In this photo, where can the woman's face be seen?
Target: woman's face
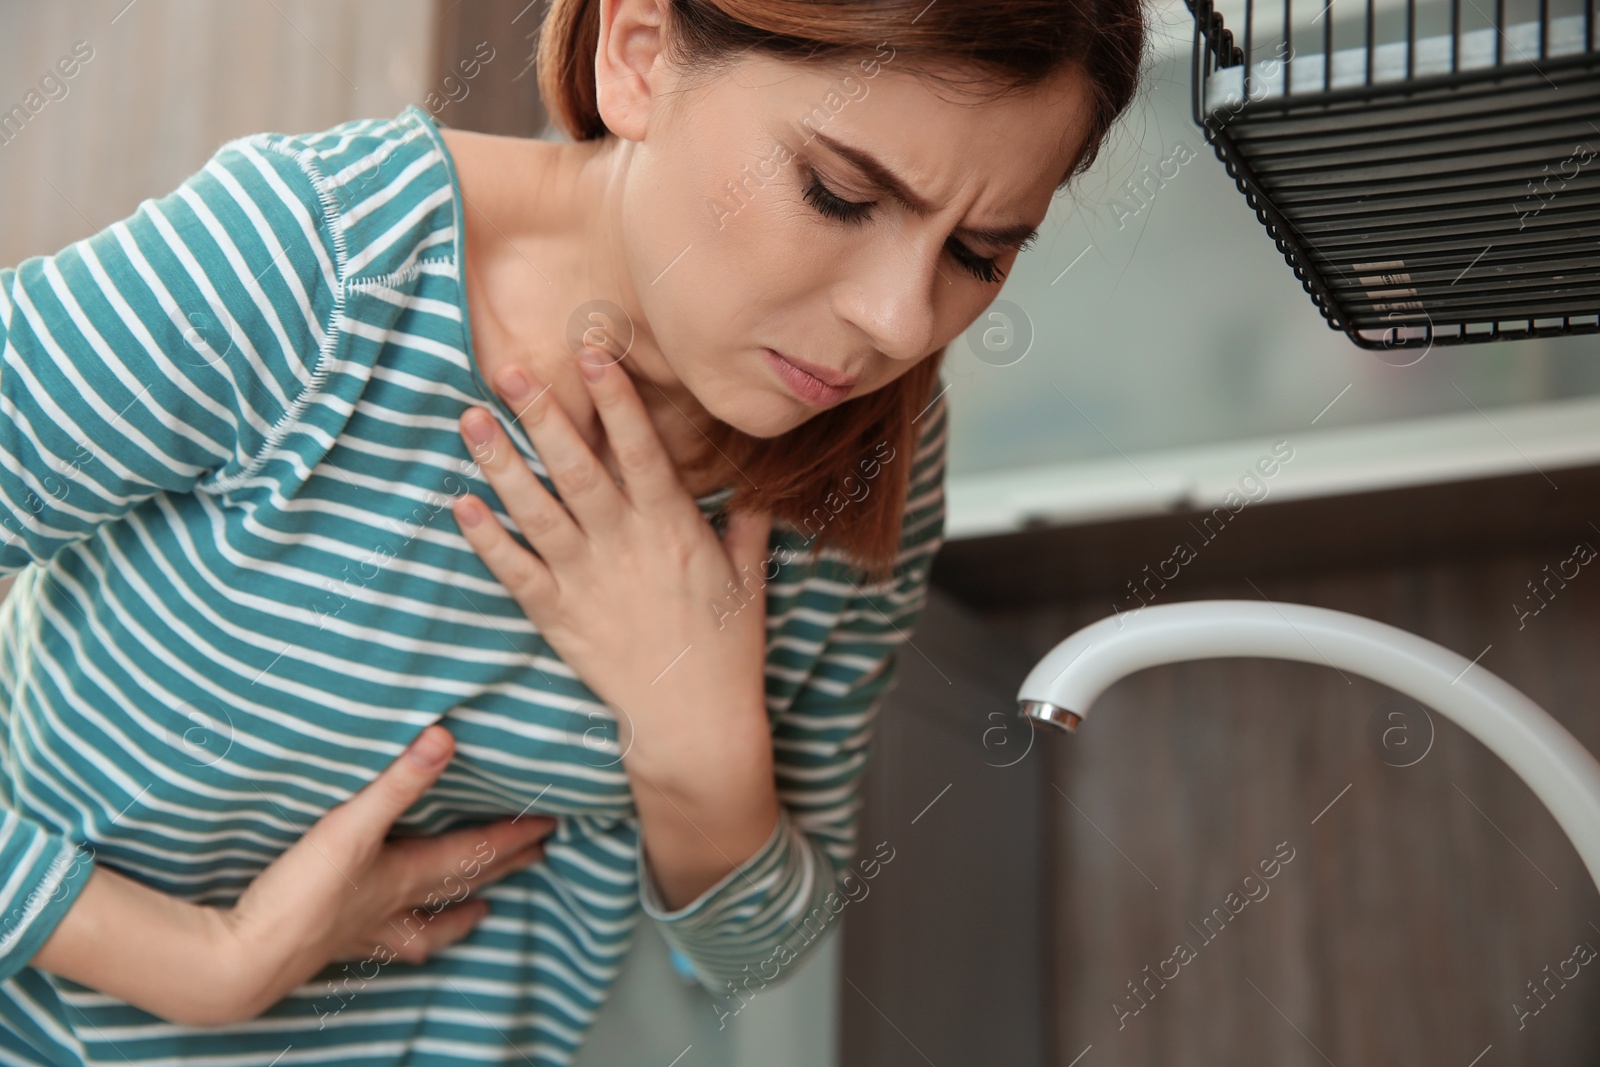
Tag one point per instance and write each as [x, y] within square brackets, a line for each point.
[756, 228]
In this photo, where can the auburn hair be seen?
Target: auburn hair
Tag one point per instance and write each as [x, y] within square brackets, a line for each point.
[988, 47]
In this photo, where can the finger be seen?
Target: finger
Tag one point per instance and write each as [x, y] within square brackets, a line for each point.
[414, 934]
[509, 864]
[528, 857]
[359, 825]
[539, 515]
[647, 471]
[578, 475]
[454, 894]
[473, 856]
[526, 577]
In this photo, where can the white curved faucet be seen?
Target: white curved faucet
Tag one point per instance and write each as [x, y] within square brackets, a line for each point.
[1560, 771]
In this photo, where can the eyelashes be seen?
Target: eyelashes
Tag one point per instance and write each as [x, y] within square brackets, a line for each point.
[832, 205]
[980, 267]
[829, 203]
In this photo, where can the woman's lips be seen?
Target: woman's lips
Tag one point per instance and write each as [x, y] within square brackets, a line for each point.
[805, 385]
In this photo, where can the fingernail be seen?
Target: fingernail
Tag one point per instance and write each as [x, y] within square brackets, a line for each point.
[467, 513]
[429, 748]
[479, 426]
[514, 384]
[591, 371]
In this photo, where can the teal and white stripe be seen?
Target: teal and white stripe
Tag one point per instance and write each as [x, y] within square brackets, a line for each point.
[228, 438]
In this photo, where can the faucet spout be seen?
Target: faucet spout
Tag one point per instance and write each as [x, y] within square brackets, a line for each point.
[1563, 774]
[1043, 711]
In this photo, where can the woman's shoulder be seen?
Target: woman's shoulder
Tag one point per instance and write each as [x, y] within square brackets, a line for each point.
[382, 189]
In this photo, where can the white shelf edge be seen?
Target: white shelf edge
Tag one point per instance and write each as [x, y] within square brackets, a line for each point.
[1527, 438]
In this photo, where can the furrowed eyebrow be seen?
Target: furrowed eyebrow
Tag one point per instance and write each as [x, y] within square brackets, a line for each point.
[1013, 236]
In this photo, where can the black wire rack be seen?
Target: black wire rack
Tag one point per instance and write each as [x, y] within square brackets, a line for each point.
[1430, 170]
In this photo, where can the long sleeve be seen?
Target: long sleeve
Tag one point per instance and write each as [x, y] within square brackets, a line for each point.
[162, 354]
[750, 928]
[44, 873]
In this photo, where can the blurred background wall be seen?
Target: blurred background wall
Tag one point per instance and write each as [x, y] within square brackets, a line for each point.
[170, 81]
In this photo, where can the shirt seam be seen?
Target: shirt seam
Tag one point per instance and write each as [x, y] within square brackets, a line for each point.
[405, 274]
[335, 329]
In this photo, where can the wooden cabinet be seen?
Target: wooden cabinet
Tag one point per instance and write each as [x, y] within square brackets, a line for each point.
[1427, 887]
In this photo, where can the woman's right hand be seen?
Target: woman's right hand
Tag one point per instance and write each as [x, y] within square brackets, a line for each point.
[343, 891]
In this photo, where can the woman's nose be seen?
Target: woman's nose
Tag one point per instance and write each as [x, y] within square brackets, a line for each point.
[892, 297]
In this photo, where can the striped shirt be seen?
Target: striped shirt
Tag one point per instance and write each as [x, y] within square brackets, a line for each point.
[228, 442]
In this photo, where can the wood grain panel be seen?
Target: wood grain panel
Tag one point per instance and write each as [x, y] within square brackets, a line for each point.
[946, 959]
[1415, 909]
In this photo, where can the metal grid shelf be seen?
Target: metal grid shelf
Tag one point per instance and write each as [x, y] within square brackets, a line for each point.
[1437, 188]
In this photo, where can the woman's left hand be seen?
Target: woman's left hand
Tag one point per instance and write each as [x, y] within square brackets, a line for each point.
[631, 588]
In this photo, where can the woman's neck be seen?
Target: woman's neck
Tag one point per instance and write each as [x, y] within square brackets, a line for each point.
[544, 247]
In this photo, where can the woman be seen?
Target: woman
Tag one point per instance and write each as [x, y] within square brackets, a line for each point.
[233, 422]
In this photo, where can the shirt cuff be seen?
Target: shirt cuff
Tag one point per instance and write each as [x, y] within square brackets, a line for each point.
[44, 873]
[705, 909]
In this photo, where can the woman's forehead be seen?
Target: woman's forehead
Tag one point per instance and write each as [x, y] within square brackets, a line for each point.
[935, 138]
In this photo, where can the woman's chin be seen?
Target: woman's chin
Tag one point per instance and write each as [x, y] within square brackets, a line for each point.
[765, 428]
[763, 416]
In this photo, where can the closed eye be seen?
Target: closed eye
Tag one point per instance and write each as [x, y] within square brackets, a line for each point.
[980, 267]
[834, 206]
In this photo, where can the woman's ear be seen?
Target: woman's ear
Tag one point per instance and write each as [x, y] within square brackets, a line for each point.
[628, 66]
